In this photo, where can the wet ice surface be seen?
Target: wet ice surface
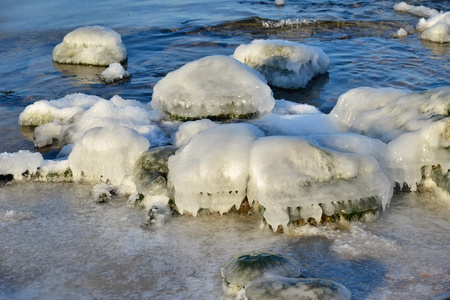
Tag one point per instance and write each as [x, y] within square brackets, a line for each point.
[58, 243]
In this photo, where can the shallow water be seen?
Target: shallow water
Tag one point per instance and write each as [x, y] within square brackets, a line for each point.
[56, 242]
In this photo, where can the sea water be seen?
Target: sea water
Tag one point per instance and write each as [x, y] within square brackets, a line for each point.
[56, 242]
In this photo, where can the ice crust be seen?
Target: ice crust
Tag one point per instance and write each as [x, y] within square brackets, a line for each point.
[91, 45]
[284, 64]
[106, 154]
[114, 72]
[213, 86]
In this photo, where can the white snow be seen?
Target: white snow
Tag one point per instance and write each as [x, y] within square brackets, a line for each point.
[211, 171]
[213, 86]
[106, 154]
[19, 162]
[91, 45]
[114, 72]
[283, 63]
[289, 172]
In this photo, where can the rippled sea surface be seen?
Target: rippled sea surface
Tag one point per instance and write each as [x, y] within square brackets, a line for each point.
[56, 243]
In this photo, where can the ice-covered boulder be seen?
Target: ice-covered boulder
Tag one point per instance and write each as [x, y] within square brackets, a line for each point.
[91, 45]
[436, 28]
[211, 171]
[281, 288]
[61, 110]
[243, 268]
[106, 154]
[284, 64]
[415, 126]
[215, 87]
[293, 179]
[19, 162]
[68, 118]
[114, 72]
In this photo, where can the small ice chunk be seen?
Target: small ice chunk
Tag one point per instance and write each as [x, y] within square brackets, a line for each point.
[91, 45]
[289, 172]
[421, 11]
[402, 32]
[211, 171]
[214, 86]
[19, 162]
[114, 72]
[101, 192]
[279, 2]
[284, 64]
[106, 154]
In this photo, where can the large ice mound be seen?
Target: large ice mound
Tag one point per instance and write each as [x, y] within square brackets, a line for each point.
[107, 154]
[214, 86]
[415, 126]
[295, 180]
[91, 45]
[211, 171]
[284, 64]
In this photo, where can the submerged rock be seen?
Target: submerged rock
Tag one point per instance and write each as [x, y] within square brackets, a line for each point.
[218, 87]
[91, 45]
[296, 289]
[244, 268]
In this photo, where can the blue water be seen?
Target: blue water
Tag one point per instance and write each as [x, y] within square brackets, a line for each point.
[161, 36]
